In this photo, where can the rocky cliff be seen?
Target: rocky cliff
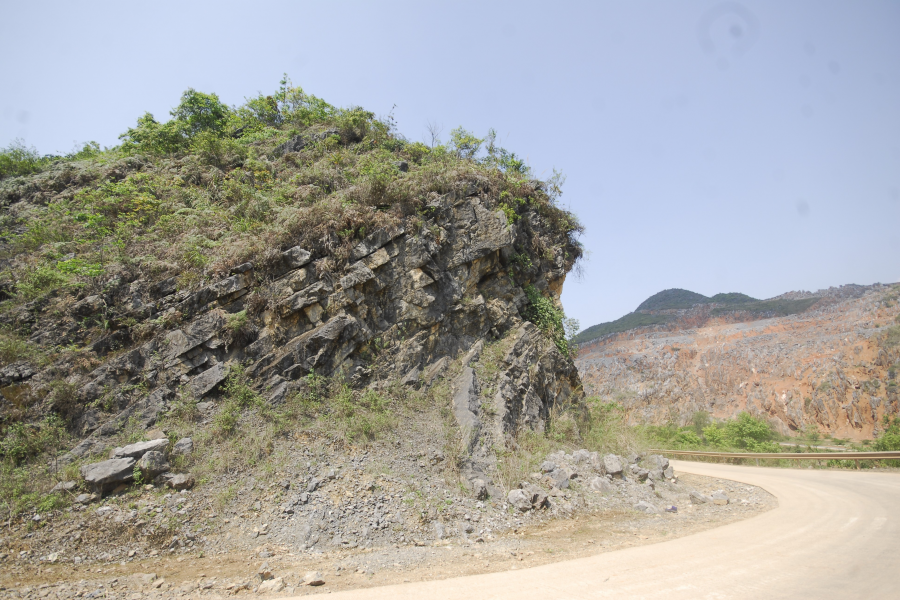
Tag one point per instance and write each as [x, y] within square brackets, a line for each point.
[831, 368]
[395, 267]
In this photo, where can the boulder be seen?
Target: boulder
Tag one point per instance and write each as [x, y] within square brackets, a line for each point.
[108, 474]
[519, 500]
[181, 482]
[140, 449]
[612, 464]
[313, 578]
[639, 473]
[295, 258]
[718, 497]
[548, 466]
[601, 484]
[265, 572]
[581, 456]
[646, 507]
[560, 478]
[272, 586]
[655, 474]
[479, 489]
[206, 381]
[536, 495]
[152, 464]
[669, 473]
[698, 498]
[182, 447]
[655, 461]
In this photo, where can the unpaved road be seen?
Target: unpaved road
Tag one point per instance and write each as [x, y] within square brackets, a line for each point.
[835, 534]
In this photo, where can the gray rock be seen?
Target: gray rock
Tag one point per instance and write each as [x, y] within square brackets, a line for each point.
[646, 507]
[479, 489]
[64, 486]
[639, 473]
[548, 466]
[141, 448]
[669, 473]
[371, 243]
[295, 258]
[655, 461]
[272, 586]
[89, 307]
[181, 482]
[465, 404]
[84, 448]
[560, 478]
[242, 268]
[698, 498]
[601, 484]
[439, 531]
[295, 144]
[357, 274]
[519, 500]
[164, 288]
[109, 473]
[206, 381]
[655, 475]
[264, 572]
[152, 464]
[183, 447]
[612, 464]
[312, 485]
[581, 456]
[86, 498]
[537, 497]
[718, 497]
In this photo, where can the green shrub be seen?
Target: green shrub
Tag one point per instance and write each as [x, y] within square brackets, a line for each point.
[18, 159]
[889, 438]
[542, 311]
[39, 280]
[21, 441]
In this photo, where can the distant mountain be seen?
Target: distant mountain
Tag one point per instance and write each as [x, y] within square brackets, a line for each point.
[676, 302]
[676, 298]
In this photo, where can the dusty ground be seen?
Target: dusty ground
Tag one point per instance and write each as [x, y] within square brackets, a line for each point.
[590, 531]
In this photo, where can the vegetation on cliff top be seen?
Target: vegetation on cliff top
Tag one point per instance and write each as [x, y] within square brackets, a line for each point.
[216, 186]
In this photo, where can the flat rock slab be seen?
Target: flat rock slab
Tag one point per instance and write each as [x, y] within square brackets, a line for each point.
[203, 383]
[104, 474]
[141, 448]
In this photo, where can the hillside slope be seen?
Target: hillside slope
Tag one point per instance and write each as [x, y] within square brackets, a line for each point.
[832, 368]
[252, 276]
[676, 308]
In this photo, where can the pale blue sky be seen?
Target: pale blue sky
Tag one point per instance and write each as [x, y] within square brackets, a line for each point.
[718, 147]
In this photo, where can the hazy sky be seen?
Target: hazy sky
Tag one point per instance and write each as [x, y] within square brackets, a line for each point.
[713, 146]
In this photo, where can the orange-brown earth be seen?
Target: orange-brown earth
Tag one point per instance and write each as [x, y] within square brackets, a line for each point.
[829, 368]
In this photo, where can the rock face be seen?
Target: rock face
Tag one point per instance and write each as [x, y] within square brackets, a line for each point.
[827, 369]
[443, 288]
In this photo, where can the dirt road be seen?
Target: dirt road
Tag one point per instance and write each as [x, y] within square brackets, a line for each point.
[835, 534]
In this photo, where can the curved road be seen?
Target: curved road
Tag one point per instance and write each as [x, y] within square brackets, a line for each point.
[835, 534]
